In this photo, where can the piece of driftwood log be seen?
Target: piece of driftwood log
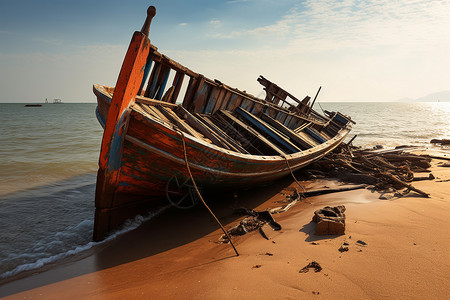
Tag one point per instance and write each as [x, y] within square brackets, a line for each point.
[437, 157]
[330, 220]
[440, 141]
[403, 184]
[421, 178]
[336, 190]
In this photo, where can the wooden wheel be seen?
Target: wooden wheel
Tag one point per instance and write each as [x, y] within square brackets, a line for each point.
[181, 192]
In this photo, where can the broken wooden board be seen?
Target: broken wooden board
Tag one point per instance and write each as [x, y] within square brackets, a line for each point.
[269, 130]
[251, 131]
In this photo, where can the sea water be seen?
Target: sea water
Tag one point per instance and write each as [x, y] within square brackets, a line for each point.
[49, 154]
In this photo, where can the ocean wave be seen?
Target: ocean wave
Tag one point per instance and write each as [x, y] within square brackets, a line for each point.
[71, 241]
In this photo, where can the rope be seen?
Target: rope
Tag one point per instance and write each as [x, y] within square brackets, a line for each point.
[200, 196]
[287, 163]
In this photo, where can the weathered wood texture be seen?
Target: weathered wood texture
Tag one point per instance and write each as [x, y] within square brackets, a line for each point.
[233, 139]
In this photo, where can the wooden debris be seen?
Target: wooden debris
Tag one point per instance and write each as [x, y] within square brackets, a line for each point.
[336, 190]
[312, 265]
[330, 220]
[442, 142]
[255, 221]
[382, 169]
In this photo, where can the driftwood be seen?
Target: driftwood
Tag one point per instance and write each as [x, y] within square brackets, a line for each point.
[421, 178]
[442, 142]
[336, 190]
[402, 184]
[382, 169]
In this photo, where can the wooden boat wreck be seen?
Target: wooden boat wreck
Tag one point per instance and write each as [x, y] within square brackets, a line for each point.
[231, 139]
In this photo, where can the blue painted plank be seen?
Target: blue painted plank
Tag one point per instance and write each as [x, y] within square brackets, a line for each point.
[315, 135]
[148, 66]
[163, 85]
[267, 129]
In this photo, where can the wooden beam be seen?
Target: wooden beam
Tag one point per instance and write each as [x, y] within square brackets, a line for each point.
[313, 133]
[301, 127]
[252, 132]
[154, 111]
[291, 134]
[237, 136]
[177, 82]
[151, 86]
[202, 128]
[152, 102]
[179, 122]
[283, 141]
[229, 140]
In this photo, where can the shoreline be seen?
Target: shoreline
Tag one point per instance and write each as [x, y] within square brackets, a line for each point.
[177, 253]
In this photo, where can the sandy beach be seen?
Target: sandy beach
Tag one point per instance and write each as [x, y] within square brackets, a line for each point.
[177, 255]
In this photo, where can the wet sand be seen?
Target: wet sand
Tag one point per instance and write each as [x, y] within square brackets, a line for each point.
[176, 255]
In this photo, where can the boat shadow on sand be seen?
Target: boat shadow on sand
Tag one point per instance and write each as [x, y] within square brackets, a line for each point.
[174, 227]
[168, 230]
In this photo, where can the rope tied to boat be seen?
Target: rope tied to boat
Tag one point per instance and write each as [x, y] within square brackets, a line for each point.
[200, 196]
[293, 176]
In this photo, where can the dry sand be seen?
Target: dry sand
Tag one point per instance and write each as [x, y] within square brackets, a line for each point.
[176, 255]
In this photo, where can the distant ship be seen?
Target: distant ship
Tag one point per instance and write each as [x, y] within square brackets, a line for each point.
[33, 105]
[57, 101]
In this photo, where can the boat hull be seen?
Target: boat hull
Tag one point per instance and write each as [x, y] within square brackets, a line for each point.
[227, 137]
[152, 159]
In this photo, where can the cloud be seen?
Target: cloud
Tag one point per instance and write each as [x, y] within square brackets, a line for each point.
[183, 24]
[215, 22]
[355, 24]
[369, 24]
[359, 50]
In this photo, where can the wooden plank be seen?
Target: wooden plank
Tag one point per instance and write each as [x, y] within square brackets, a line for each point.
[156, 112]
[213, 95]
[225, 101]
[162, 81]
[302, 126]
[252, 132]
[148, 66]
[320, 133]
[202, 128]
[177, 82]
[269, 130]
[234, 102]
[237, 136]
[308, 138]
[179, 122]
[192, 85]
[220, 99]
[287, 120]
[147, 110]
[152, 102]
[140, 109]
[291, 134]
[199, 99]
[314, 134]
[168, 94]
[151, 86]
[229, 140]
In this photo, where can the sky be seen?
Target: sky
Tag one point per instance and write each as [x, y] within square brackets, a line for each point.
[368, 50]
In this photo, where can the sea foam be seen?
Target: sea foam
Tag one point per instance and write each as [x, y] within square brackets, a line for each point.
[71, 241]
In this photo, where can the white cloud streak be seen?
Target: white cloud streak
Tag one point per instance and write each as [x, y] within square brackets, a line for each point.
[390, 49]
